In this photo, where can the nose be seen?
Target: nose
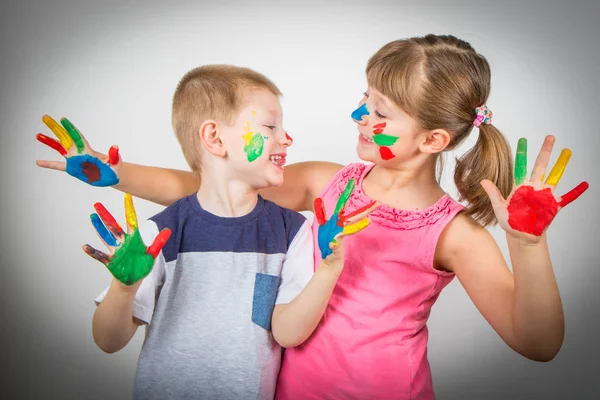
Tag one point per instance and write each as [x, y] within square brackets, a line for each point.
[359, 115]
[288, 140]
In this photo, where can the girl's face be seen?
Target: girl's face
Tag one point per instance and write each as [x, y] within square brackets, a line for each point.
[387, 135]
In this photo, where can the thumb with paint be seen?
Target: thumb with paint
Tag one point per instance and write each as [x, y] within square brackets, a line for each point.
[81, 161]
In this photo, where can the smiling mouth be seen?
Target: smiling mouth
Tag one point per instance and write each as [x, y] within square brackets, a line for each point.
[366, 138]
[278, 160]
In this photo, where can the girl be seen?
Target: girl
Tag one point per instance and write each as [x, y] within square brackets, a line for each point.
[424, 97]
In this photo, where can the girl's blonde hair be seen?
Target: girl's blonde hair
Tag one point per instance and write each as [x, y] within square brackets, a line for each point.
[439, 81]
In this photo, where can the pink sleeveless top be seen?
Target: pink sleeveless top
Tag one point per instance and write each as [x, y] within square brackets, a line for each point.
[372, 340]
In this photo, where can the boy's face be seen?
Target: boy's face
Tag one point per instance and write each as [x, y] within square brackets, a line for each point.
[256, 141]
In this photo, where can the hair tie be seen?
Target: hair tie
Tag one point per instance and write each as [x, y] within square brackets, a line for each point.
[484, 116]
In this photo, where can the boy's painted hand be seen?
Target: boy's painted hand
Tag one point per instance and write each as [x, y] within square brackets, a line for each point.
[531, 206]
[340, 224]
[82, 161]
[130, 260]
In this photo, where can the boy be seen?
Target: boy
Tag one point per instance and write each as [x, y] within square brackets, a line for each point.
[234, 282]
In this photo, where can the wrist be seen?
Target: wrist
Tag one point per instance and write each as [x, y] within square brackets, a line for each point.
[333, 269]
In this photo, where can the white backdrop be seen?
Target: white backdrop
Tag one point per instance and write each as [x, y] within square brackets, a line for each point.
[112, 66]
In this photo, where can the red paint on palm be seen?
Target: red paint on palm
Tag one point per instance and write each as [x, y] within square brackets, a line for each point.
[113, 155]
[91, 172]
[51, 143]
[386, 153]
[530, 210]
[320, 211]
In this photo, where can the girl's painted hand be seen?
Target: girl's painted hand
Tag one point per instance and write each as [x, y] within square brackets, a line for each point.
[82, 161]
[531, 206]
[340, 224]
[130, 260]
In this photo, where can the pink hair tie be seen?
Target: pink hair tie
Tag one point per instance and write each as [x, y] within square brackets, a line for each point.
[484, 116]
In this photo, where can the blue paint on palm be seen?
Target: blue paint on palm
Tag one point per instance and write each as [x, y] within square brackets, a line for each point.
[326, 233]
[360, 112]
[91, 170]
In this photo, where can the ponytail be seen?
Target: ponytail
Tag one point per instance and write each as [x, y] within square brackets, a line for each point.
[490, 158]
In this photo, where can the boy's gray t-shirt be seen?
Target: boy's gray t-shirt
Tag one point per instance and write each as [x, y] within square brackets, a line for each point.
[209, 298]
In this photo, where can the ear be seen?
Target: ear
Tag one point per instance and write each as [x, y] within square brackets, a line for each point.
[211, 139]
[435, 141]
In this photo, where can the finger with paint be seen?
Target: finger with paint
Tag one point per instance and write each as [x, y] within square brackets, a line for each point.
[340, 223]
[80, 163]
[131, 260]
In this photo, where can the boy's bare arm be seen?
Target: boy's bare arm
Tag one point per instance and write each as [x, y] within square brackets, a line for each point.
[113, 324]
[158, 185]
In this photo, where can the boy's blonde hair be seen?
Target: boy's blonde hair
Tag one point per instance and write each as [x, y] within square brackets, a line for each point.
[211, 92]
[439, 81]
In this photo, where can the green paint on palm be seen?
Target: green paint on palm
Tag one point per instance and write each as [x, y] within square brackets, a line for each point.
[74, 135]
[130, 263]
[254, 149]
[344, 196]
[521, 161]
[382, 139]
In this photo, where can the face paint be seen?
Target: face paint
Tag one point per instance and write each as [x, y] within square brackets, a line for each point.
[378, 128]
[521, 161]
[530, 210]
[288, 137]
[383, 140]
[254, 143]
[386, 153]
[329, 229]
[360, 112]
[559, 168]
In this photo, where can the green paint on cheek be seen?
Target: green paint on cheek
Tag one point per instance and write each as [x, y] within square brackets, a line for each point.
[384, 140]
[254, 149]
[130, 263]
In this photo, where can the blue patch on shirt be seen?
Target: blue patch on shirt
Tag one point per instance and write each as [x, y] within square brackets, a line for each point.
[265, 293]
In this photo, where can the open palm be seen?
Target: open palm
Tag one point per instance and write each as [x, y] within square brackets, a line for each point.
[532, 205]
[81, 161]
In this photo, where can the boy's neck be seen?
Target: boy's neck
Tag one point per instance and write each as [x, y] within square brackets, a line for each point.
[226, 197]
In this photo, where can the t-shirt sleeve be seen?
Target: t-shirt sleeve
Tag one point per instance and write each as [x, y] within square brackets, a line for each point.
[298, 265]
[145, 298]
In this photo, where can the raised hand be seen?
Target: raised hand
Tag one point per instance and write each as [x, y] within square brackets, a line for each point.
[82, 162]
[531, 207]
[129, 260]
[340, 224]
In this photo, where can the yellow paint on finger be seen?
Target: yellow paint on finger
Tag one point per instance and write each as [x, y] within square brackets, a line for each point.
[130, 212]
[559, 168]
[59, 131]
[356, 227]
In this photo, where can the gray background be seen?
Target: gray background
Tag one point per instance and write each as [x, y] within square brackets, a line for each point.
[111, 67]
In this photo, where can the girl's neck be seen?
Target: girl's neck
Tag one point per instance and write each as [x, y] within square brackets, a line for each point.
[404, 187]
